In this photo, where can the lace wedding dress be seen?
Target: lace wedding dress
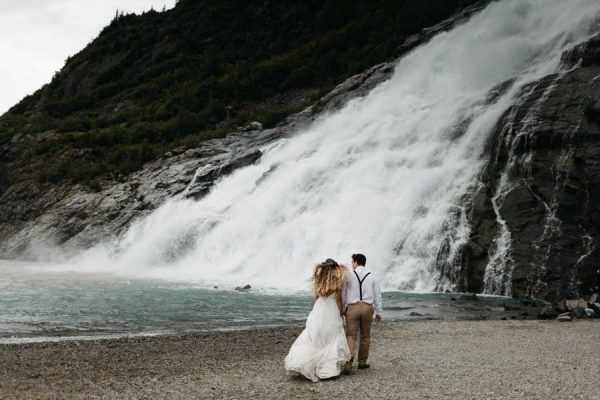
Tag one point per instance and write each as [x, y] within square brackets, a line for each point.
[321, 350]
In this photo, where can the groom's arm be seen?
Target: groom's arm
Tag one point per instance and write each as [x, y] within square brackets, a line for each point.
[377, 301]
[343, 298]
[340, 303]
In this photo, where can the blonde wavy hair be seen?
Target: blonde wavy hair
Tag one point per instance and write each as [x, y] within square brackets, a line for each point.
[328, 277]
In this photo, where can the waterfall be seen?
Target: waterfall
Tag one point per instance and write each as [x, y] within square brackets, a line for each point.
[383, 176]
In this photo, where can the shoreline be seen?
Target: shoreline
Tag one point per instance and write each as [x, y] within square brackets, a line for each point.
[93, 337]
[421, 359]
[98, 336]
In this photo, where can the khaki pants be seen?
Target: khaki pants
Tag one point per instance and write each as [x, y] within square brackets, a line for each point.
[359, 316]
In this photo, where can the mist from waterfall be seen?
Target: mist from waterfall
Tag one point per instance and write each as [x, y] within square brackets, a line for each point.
[382, 176]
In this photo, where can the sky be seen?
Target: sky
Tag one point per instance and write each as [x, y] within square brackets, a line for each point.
[37, 36]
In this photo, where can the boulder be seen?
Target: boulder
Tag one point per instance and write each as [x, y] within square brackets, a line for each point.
[577, 306]
[253, 126]
[547, 312]
[590, 313]
[593, 298]
[562, 306]
[593, 311]
[178, 150]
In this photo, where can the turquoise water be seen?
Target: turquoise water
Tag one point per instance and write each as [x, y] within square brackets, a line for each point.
[38, 306]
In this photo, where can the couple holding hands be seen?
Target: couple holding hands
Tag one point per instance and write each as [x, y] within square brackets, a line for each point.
[323, 350]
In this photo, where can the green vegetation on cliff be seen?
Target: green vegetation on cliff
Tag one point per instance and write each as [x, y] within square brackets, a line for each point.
[156, 81]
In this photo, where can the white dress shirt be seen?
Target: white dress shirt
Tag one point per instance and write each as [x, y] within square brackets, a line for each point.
[371, 292]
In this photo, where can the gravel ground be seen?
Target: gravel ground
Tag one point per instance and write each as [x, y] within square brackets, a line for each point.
[411, 360]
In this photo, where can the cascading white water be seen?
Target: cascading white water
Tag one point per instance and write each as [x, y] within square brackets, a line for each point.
[381, 176]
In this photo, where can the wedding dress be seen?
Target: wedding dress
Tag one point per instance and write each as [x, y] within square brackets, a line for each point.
[321, 350]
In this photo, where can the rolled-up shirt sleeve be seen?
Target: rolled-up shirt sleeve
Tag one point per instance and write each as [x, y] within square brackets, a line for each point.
[377, 298]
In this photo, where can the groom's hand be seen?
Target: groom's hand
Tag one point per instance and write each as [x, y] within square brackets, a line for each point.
[378, 318]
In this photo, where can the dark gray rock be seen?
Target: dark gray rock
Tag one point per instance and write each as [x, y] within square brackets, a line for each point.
[253, 126]
[243, 288]
[547, 311]
[551, 202]
[562, 306]
[577, 306]
[179, 150]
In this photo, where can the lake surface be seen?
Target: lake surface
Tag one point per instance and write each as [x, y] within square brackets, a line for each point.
[37, 305]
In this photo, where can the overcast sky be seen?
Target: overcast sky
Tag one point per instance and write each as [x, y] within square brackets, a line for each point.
[36, 37]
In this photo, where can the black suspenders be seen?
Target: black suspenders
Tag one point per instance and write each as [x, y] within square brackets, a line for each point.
[361, 282]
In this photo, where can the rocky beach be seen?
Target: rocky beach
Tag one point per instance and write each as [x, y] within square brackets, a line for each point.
[410, 360]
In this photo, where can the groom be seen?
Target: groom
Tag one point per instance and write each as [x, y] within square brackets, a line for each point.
[362, 296]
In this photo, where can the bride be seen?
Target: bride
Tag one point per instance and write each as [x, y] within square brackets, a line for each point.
[321, 350]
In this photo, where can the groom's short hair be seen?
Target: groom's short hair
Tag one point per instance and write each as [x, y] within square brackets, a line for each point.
[360, 259]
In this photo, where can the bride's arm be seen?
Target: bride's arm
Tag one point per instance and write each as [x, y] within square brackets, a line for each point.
[338, 300]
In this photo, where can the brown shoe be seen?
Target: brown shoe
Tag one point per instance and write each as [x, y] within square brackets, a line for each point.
[363, 366]
[347, 368]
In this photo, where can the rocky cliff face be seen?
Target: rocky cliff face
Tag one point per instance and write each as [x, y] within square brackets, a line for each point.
[37, 220]
[534, 215]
